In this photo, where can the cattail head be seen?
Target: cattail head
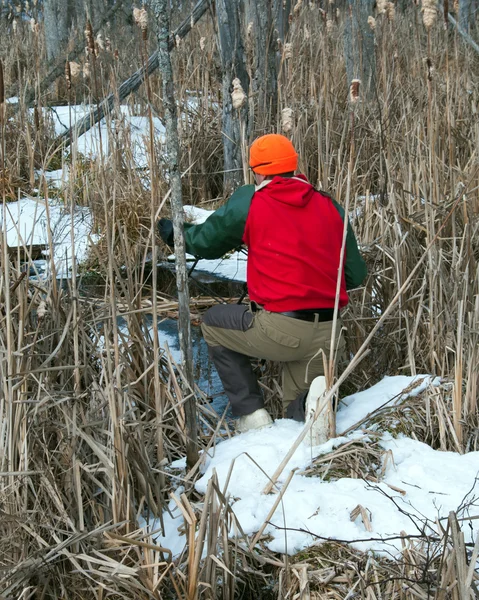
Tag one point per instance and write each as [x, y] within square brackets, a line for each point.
[288, 50]
[456, 6]
[90, 40]
[381, 6]
[307, 33]
[2, 85]
[329, 25]
[372, 22]
[86, 70]
[99, 43]
[75, 70]
[42, 309]
[202, 43]
[68, 75]
[33, 25]
[390, 11]
[237, 95]
[140, 17]
[297, 7]
[287, 119]
[14, 26]
[249, 29]
[429, 10]
[177, 40]
[354, 91]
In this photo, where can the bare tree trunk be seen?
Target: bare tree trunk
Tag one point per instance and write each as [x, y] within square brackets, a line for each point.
[55, 18]
[172, 160]
[282, 10]
[359, 44]
[233, 60]
[265, 76]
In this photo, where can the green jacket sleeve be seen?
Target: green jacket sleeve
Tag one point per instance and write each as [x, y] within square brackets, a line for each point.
[355, 269]
[223, 230]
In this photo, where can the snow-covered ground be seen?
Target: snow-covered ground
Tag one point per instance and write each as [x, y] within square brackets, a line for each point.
[129, 131]
[27, 222]
[431, 483]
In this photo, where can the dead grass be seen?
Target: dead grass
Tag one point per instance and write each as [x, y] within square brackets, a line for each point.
[91, 416]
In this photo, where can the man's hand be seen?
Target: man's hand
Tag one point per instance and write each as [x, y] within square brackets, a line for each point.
[165, 229]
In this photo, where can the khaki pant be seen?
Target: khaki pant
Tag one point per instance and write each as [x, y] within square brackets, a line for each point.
[234, 334]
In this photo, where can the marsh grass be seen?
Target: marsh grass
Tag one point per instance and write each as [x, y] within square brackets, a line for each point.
[92, 414]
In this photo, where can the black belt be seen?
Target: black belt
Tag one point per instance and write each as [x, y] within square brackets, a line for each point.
[324, 314]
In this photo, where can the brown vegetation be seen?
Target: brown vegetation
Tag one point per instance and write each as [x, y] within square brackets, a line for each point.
[90, 417]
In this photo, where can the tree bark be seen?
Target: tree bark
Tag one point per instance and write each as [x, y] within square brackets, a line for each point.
[172, 161]
[233, 61]
[55, 19]
[265, 76]
[359, 44]
[282, 10]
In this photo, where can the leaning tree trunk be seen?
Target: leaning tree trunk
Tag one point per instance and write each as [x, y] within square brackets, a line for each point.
[235, 120]
[259, 19]
[55, 19]
[359, 44]
[173, 162]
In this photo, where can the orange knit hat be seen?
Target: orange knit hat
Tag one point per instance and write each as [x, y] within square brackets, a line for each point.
[272, 154]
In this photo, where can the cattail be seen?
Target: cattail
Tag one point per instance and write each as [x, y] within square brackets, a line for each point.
[14, 26]
[297, 7]
[42, 309]
[68, 75]
[372, 22]
[429, 9]
[446, 13]
[36, 117]
[202, 43]
[141, 18]
[288, 50]
[99, 42]
[381, 6]
[177, 40]
[116, 54]
[108, 44]
[354, 91]
[307, 33]
[329, 25]
[2, 85]
[456, 6]
[249, 29]
[86, 70]
[287, 119]
[390, 11]
[33, 25]
[75, 70]
[237, 95]
[89, 38]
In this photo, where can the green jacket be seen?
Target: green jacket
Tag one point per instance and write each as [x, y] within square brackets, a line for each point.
[223, 231]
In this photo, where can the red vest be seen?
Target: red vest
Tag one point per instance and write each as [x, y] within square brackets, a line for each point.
[294, 236]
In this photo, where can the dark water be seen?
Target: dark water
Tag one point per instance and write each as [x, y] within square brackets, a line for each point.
[201, 284]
